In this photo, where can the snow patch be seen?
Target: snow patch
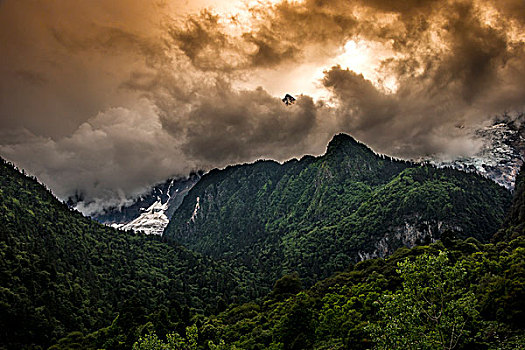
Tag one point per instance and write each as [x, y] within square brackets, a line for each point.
[195, 211]
[151, 222]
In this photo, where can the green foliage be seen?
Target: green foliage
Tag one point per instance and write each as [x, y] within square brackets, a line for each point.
[295, 329]
[319, 214]
[428, 297]
[514, 225]
[173, 341]
[61, 272]
[433, 309]
[68, 281]
[150, 342]
[287, 286]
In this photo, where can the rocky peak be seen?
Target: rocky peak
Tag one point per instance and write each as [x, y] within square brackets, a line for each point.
[288, 99]
[343, 142]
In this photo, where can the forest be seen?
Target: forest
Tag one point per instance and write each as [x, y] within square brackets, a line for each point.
[68, 282]
[63, 272]
[317, 215]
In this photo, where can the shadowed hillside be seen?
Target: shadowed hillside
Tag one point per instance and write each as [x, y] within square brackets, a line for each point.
[63, 272]
[318, 214]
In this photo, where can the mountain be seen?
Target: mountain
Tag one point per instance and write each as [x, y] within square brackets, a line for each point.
[70, 281]
[514, 225]
[151, 212]
[499, 159]
[502, 152]
[62, 272]
[453, 291]
[288, 99]
[318, 214]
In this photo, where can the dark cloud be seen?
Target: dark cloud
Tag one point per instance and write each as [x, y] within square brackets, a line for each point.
[277, 34]
[514, 9]
[363, 106]
[77, 53]
[31, 77]
[202, 39]
[110, 97]
[467, 77]
[476, 53]
[110, 158]
[239, 126]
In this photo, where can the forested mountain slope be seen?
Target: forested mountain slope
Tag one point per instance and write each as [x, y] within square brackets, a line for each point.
[514, 225]
[452, 294]
[62, 272]
[318, 214]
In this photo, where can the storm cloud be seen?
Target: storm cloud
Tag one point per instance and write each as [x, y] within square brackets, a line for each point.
[106, 98]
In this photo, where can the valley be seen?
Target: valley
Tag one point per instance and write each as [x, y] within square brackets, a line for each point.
[265, 247]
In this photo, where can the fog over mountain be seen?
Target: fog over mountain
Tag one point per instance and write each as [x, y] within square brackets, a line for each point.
[107, 98]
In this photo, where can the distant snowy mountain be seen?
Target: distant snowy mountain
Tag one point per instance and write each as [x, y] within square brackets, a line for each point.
[150, 213]
[502, 154]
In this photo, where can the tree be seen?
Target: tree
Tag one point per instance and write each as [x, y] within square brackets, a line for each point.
[433, 309]
[287, 286]
[174, 341]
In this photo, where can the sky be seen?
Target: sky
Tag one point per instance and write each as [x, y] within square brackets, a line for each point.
[105, 98]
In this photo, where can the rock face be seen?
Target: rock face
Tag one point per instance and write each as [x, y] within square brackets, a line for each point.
[151, 221]
[415, 231]
[150, 213]
[502, 153]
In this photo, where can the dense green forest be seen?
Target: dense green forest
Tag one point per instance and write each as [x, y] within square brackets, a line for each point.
[71, 283]
[452, 294]
[318, 214]
[514, 225]
[477, 289]
[62, 272]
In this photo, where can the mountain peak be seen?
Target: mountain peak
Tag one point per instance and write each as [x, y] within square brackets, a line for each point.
[288, 100]
[340, 141]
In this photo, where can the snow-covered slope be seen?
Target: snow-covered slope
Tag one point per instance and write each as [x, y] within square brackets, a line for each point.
[501, 155]
[152, 221]
[150, 213]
